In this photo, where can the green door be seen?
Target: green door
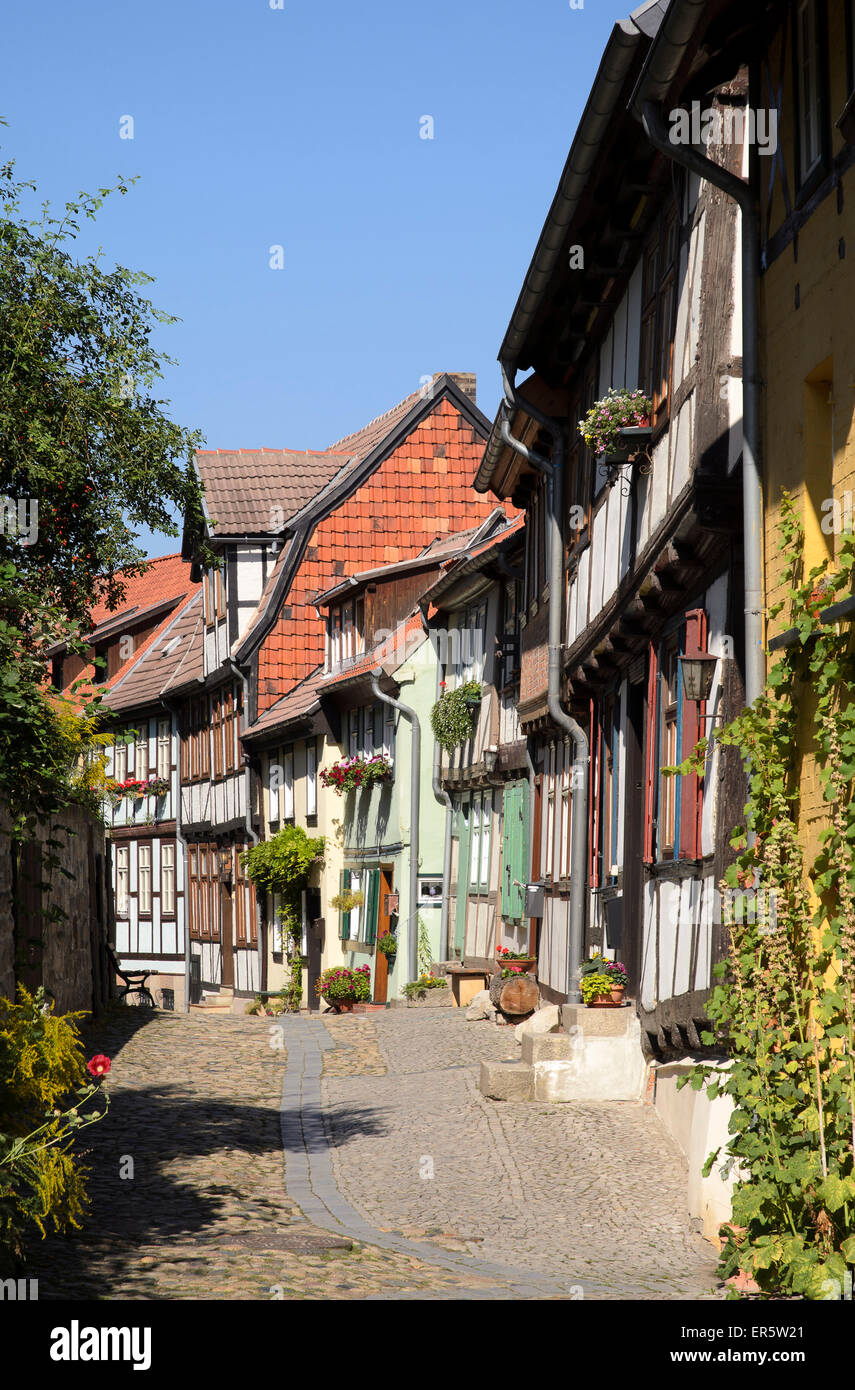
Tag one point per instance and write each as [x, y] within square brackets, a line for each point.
[515, 849]
[463, 823]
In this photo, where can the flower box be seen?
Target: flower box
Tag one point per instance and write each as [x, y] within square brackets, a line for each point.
[351, 774]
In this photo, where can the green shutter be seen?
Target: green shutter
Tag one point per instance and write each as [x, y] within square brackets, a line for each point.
[344, 917]
[509, 803]
[515, 849]
[372, 905]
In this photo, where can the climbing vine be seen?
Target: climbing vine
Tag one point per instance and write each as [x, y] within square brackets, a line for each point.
[281, 866]
[783, 1007]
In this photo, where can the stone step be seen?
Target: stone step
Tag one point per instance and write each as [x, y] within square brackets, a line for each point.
[509, 1080]
[597, 1023]
[548, 1047]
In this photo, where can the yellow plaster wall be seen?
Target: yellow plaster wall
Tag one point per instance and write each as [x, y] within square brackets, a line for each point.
[808, 371]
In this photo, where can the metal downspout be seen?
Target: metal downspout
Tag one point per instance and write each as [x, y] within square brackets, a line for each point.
[415, 789]
[184, 861]
[554, 469]
[752, 496]
[247, 772]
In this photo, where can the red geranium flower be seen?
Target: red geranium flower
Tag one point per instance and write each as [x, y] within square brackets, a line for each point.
[98, 1065]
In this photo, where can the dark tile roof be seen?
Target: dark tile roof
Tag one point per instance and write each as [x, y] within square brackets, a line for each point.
[299, 702]
[170, 658]
[258, 490]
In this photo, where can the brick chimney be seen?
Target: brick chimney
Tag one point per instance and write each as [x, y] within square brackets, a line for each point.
[465, 380]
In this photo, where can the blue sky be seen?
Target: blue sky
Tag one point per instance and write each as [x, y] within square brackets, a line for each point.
[299, 127]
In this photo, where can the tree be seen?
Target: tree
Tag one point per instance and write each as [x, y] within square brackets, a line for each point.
[81, 434]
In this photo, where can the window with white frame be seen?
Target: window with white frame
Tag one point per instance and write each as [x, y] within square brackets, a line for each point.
[549, 779]
[122, 881]
[486, 828]
[164, 749]
[141, 756]
[389, 732]
[356, 912]
[566, 812]
[288, 784]
[311, 779]
[167, 878]
[120, 762]
[353, 739]
[475, 849]
[144, 877]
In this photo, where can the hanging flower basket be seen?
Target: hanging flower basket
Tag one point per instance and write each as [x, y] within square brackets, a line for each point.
[350, 774]
[453, 717]
[618, 425]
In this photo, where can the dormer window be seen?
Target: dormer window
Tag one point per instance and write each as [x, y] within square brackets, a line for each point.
[345, 633]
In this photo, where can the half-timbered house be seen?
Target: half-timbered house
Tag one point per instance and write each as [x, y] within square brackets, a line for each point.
[633, 565]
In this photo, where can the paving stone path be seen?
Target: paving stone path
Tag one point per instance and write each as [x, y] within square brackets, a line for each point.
[354, 1158]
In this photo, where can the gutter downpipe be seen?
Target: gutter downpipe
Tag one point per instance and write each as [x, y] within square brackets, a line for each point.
[247, 772]
[184, 861]
[554, 470]
[752, 496]
[415, 791]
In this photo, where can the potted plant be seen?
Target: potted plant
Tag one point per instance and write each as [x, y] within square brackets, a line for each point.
[350, 774]
[453, 717]
[603, 981]
[387, 945]
[346, 902]
[514, 962]
[615, 425]
[342, 988]
[158, 786]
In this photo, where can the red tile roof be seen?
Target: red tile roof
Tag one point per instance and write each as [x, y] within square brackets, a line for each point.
[299, 702]
[165, 578]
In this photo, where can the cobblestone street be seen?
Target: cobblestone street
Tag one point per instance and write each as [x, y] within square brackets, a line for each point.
[358, 1160]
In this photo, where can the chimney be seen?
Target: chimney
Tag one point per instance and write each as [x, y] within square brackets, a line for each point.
[465, 381]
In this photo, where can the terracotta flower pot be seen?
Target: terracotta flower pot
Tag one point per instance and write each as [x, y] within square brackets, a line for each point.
[524, 966]
[604, 1001]
[618, 992]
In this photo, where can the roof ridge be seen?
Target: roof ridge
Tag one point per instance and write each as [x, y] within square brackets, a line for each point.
[376, 421]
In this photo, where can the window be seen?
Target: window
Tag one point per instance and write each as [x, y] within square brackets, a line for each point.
[217, 727]
[203, 738]
[389, 732]
[353, 739]
[566, 812]
[167, 879]
[486, 830]
[475, 844]
[220, 586]
[511, 633]
[347, 642]
[675, 802]
[669, 755]
[229, 730]
[141, 756]
[122, 881]
[144, 871]
[204, 906]
[657, 312]
[120, 762]
[335, 637]
[273, 787]
[288, 784]
[311, 779]
[808, 84]
[164, 748]
[549, 780]
[606, 794]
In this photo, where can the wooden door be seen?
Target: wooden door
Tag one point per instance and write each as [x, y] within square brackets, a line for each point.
[314, 940]
[384, 925]
[227, 974]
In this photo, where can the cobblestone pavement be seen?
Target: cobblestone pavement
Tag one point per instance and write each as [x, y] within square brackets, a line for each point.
[523, 1201]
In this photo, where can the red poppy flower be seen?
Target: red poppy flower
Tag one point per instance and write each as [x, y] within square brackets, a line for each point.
[98, 1065]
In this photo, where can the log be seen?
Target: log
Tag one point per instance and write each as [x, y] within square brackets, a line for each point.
[516, 995]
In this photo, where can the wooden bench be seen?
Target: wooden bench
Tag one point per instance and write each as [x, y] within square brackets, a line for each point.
[135, 980]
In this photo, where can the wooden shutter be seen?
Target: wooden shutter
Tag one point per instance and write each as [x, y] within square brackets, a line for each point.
[372, 906]
[509, 806]
[344, 917]
[691, 799]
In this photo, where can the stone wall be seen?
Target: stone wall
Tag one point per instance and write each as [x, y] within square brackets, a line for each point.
[55, 912]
